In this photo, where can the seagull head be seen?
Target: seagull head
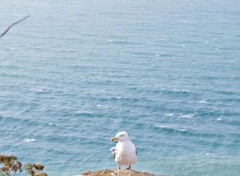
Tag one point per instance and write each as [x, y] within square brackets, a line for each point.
[121, 136]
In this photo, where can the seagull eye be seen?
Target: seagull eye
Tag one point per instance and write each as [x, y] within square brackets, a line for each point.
[121, 135]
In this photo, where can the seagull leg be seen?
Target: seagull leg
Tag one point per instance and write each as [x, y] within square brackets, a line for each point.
[129, 168]
[119, 170]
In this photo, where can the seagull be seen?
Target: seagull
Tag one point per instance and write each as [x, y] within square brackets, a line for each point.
[125, 152]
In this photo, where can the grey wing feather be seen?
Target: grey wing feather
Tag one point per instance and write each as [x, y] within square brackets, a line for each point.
[136, 151]
[114, 151]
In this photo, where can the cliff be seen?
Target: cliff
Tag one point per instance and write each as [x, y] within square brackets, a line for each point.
[114, 172]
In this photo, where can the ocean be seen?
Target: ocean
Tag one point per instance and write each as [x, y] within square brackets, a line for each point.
[166, 71]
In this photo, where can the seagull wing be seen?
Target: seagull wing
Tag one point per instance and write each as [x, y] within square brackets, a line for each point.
[136, 151]
[114, 151]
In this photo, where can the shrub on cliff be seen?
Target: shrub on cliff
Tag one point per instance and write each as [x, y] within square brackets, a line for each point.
[9, 166]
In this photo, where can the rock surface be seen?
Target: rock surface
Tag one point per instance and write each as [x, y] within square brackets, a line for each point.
[111, 172]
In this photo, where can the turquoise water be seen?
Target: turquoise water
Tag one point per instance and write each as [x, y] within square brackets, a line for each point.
[77, 72]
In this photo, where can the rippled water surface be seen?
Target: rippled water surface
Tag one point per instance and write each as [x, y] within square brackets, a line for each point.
[77, 72]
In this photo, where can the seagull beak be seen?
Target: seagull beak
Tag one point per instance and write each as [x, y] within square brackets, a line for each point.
[114, 139]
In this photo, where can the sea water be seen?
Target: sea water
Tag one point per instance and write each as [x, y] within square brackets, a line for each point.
[166, 71]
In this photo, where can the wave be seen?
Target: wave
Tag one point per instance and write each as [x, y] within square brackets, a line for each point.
[29, 140]
[172, 129]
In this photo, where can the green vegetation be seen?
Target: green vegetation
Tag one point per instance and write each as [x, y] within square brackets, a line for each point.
[10, 166]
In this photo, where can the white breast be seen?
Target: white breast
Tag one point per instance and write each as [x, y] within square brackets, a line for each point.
[126, 153]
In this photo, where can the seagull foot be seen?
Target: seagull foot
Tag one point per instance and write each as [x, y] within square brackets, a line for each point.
[129, 168]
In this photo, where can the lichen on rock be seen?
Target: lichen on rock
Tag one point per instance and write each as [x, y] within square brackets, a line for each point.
[112, 172]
